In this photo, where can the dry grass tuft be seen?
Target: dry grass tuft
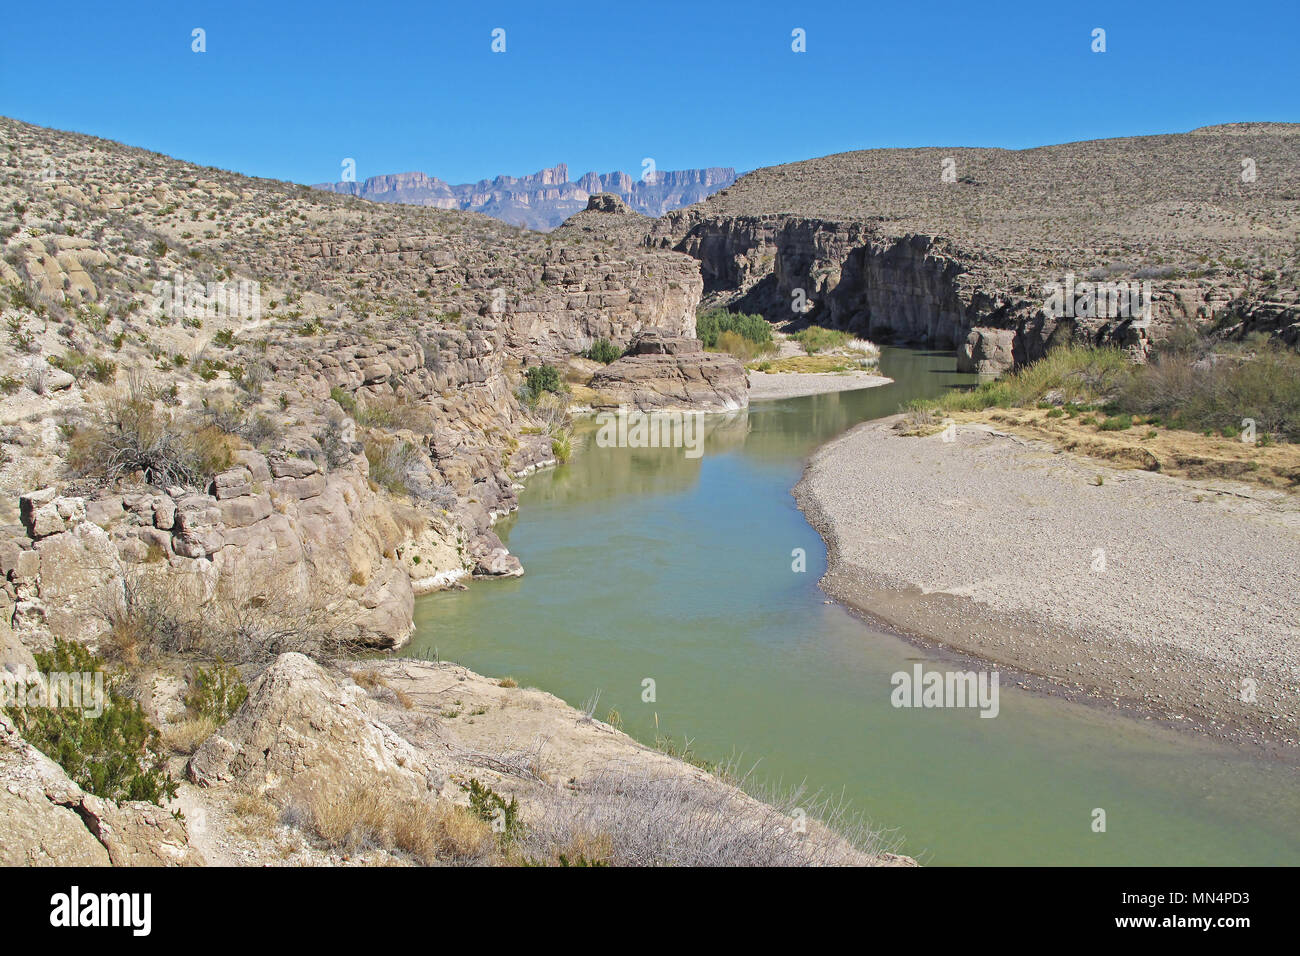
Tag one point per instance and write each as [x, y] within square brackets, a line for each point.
[186, 736]
[431, 832]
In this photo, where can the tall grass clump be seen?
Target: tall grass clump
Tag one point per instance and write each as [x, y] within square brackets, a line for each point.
[1081, 374]
[1198, 386]
[816, 339]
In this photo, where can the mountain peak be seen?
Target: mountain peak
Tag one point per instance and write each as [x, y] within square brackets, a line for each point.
[545, 198]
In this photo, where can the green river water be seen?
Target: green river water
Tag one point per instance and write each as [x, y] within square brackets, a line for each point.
[647, 563]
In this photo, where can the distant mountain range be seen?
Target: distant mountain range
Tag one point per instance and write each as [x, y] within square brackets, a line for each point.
[545, 199]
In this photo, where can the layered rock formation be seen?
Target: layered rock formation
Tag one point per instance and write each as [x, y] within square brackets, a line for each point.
[545, 199]
[959, 247]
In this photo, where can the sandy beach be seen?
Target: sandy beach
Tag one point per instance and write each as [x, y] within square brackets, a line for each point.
[773, 385]
[1169, 598]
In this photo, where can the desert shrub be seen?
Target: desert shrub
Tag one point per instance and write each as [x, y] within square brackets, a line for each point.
[187, 735]
[261, 431]
[542, 378]
[737, 345]
[1079, 374]
[709, 325]
[395, 465]
[551, 410]
[117, 755]
[22, 339]
[82, 367]
[1218, 392]
[216, 692]
[1188, 387]
[490, 807]
[345, 400]
[394, 413]
[254, 615]
[129, 435]
[222, 415]
[1116, 423]
[604, 351]
[626, 817]
[330, 437]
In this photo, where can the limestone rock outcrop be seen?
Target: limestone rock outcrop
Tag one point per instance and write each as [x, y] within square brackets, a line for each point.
[303, 726]
[663, 371]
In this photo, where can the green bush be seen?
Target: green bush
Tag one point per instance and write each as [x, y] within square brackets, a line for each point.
[709, 325]
[490, 806]
[1179, 388]
[117, 755]
[345, 400]
[542, 378]
[1263, 385]
[604, 351]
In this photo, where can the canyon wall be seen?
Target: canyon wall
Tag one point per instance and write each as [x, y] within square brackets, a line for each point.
[915, 289]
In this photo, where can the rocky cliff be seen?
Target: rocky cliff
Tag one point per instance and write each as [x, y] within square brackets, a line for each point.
[961, 248]
[255, 389]
[543, 200]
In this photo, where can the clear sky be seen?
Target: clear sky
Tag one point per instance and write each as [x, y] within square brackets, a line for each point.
[289, 90]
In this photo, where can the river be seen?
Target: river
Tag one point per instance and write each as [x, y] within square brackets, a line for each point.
[648, 564]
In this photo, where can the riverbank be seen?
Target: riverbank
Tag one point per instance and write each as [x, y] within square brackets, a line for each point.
[774, 385]
[1168, 598]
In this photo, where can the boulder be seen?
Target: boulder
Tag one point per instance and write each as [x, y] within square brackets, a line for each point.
[304, 726]
[663, 371]
[45, 513]
[987, 351]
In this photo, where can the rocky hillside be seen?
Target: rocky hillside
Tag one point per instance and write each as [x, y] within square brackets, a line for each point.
[958, 247]
[292, 404]
[546, 198]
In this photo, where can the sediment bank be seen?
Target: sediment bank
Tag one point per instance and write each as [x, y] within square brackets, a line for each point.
[1169, 598]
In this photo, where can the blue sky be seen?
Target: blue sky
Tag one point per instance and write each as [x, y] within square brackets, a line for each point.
[288, 90]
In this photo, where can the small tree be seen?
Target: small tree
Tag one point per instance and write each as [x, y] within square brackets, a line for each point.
[542, 378]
